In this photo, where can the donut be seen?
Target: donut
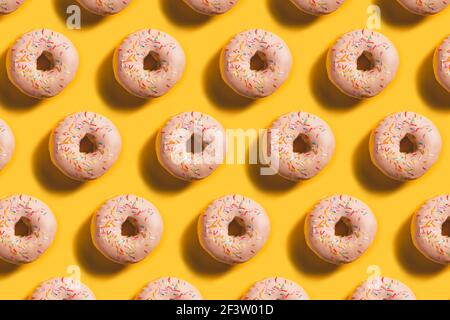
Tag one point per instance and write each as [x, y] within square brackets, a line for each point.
[405, 145]
[255, 63]
[7, 144]
[42, 63]
[109, 233]
[148, 63]
[104, 7]
[362, 63]
[276, 289]
[303, 143]
[430, 229]
[62, 288]
[424, 7]
[27, 229]
[8, 6]
[211, 7]
[84, 145]
[191, 145]
[169, 288]
[319, 7]
[382, 288]
[216, 229]
[340, 228]
[441, 63]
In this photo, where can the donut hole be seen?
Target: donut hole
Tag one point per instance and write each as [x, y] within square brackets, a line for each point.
[88, 144]
[408, 144]
[365, 62]
[302, 144]
[446, 228]
[22, 228]
[152, 62]
[45, 61]
[236, 228]
[195, 144]
[259, 61]
[130, 227]
[343, 227]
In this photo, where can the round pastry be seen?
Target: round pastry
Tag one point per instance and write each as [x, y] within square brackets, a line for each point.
[8, 6]
[430, 229]
[41, 63]
[340, 229]
[424, 7]
[276, 289]
[320, 7]
[382, 288]
[405, 145]
[169, 288]
[211, 7]
[104, 7]
[62, 289]
[126, 229]
[7, 144]
[255, 63]
[302, 143]
[84, 145]
[441, 63]
[191, 145]
[149, 63]
[362, 63]
[27, 229]
[233, 229]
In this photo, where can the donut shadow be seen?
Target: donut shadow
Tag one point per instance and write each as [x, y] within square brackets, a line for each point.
[181, 14]
[154, 174]
[48, 175]
[288, 14]
[394, 14]
[112, 93]
[87, 18]
[196, 257]
[325, 92]
[12, 98]
[303, 257]
[89, 257]
[411, 259]
[368, 174]
[218, 92]
[8, 268]
[429, 88]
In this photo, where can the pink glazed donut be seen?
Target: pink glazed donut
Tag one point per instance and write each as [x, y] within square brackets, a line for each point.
[7, 144]
[214, 229]
[317, 145]
[382, 288]
[356, 220]
[104, 7]
[74, 131]
[42, 63]
[149, 63]
[39, 229]
[109, 237]
[276, 289]
[424, 7]
[169, 288]
[405, 145]
[174, 144]
[8, 6]
[430, 229]
[62, 288]
[211, 7]
[255, 63]
[357, 79]
[441, 64]
[318, 7]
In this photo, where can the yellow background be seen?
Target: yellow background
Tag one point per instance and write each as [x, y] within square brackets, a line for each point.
[201, 89]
